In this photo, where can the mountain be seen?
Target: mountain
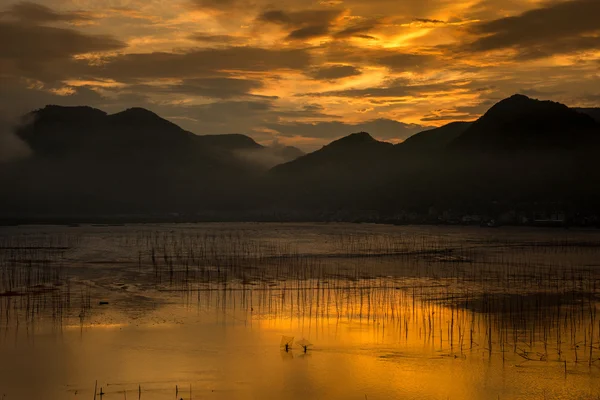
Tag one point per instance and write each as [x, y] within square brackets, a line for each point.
[592, 112]
[521, 151]
[523, 124]
[230, 141]
[345, 155]
[61, 131]
[434, 139]
[87, 161]
[521, 154]
[336, 176]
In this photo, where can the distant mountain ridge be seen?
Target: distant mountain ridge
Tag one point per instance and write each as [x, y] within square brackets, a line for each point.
[592, 112]
[520, 124]
[345, 153]
[521, 153]
[60, 130]
[435, 139]
[520, 149]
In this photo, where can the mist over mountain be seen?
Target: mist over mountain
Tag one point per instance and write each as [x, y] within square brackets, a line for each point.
[84, 131]
[522, 154]
[86, 161]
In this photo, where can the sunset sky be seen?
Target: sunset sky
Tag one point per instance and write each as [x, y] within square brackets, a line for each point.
[295, 71]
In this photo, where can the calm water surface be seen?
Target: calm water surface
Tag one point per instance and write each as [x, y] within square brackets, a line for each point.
[199, 311]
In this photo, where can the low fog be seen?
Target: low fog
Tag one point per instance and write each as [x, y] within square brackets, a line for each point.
[11, 147]
[269, 156]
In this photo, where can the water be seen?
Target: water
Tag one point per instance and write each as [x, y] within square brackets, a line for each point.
[199, 311]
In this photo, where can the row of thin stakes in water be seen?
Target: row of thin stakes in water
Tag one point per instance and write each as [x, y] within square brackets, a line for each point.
[511, 293]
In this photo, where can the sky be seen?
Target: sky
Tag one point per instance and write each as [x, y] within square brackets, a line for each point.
[298, 72]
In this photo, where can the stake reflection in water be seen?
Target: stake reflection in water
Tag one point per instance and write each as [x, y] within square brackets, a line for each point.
[528, 302]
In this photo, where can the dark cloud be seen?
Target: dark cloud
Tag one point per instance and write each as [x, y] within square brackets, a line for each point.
[218, 88]
[199, 62]
[216, 4]
[34, 43]
[360, 29]
[217, 39]
[406, 61]
[396, 88]
[225, 116]
[309, 32]
[380, 128]
[428, 21]
[335, 72]
[302, 24]
[313, 107]
[463, 113]
[300, 18]
[33, 13]
[559, 27]
[398, 61]
[368, 37]
[45, 53]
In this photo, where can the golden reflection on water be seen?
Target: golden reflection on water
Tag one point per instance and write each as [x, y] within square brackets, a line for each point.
[227, 345]
[380, 328]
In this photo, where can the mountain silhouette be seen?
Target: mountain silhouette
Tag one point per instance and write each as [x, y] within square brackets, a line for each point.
[592, 112]
[87, 161]
[523, 124]
[63, 131]
[344, 155]
[522, 153]
[337, 175]
[434, 139]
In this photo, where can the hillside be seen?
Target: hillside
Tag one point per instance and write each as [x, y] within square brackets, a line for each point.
[87, 161]
[523, 124]
[434, 139]
[522, 153]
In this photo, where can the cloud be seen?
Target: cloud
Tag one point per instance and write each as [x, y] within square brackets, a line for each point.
[216, 4]
[309, 32]
[557, 28]
[33, 13]
[300, 18]
[12, 148]
[383, 129]
[428, 21]
[462, 113]
[218, 39]
[219, 87]
[335, 72]
[304, 24]
[398, 88]
[35, 43]
[199, 62]
[406, 61]
[45, 53]
[360, 29]
[396, 60]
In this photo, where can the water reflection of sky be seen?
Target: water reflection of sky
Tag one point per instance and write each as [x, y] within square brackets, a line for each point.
[414, 336]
